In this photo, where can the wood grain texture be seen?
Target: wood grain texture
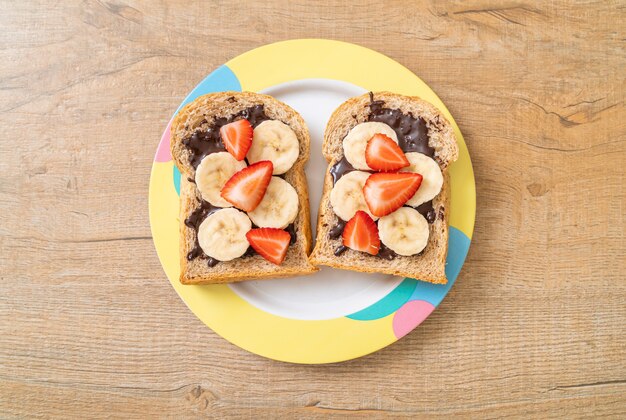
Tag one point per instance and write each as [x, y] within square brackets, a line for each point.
[534, 327]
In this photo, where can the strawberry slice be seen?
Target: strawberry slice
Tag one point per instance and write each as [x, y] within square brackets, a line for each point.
[386, 192]
[270, 243]
[246, 188]
[237, 138]
[384, 154]
[361, 234]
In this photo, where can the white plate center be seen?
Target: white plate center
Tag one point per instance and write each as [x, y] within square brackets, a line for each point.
[329, 293]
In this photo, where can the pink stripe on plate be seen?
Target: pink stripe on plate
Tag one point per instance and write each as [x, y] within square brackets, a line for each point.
[410, 315]
[163, 153]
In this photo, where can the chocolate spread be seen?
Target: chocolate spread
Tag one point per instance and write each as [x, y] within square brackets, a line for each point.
[341, 168]
[412, 135]
[386, 253]
[291, 229]
[412, 132]
[426, 209]
[202, 143]
[340, 250]
[193, 221]
[337, 230]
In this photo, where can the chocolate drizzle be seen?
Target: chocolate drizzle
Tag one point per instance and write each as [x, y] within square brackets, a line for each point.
[340, 250]
[337, 230]
[341, 168]
[386, 253]
[412, 132]
[203, 142]
[291, 229]
[193, 221]
[426, 209]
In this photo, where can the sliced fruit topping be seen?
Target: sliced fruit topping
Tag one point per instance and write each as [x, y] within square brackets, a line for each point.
[279, 206]
[361, 234]
[270, 243]
[222, 235]
[275, 141]
[237, 138]
[433, 178]
[246, 188]
[355, 142]
[384, 154]
[346, 197]
[404, 231]
[386, 192]
[212, 174]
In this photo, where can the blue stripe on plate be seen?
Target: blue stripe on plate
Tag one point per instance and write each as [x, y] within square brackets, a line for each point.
[387, 305]
[458, 245]
[409, 289]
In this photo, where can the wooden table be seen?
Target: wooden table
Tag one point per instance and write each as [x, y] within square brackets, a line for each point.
[534, 327]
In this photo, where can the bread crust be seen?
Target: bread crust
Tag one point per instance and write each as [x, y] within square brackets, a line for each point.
[224, 104]
[430, 265]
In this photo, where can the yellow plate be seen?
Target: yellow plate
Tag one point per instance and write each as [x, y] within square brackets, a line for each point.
[285, 338]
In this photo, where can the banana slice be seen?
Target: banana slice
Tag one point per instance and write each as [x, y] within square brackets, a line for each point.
[275, 141]
[222, 235]
[279, 206]
[432, 178]
[213, 172]
[355, 142]
[404, 231]
[347, 197]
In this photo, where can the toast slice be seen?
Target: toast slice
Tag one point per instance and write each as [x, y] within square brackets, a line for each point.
[429, 265]
[211, 112]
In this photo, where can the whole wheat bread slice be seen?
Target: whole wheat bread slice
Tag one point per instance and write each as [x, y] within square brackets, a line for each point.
[199, 115]
[430, 264]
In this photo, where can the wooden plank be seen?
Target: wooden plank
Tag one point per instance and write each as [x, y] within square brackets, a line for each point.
[89, 326]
